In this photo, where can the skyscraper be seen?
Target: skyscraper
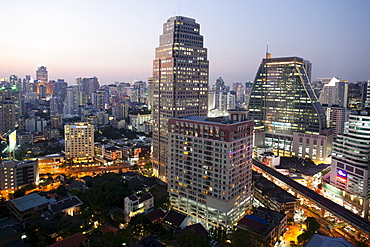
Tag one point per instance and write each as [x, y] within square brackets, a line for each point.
[209, 168]
[287, 114]
[180, 82]
[71, 103]
[349, 176]
[42, 74]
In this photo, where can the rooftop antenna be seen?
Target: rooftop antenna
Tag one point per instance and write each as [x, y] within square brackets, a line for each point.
[268, 55]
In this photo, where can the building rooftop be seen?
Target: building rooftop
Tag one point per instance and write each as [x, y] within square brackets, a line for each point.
[64, 204]
[108, 229]
[75, 240]
[30, 201]
[272, 190]
[145, 197]
[155, 215]
[318, 240]
[263, 220]
[174, 218]
[198, 229]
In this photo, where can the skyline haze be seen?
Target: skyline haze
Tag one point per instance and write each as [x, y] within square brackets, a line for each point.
[115, 40]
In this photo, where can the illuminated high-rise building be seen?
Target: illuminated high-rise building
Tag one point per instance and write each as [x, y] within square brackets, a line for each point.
[349, 183]
[42, 74]
[180, 82]
[10, 108]
[287, 113]
[210, 169]
[79, 141]
[71, 103]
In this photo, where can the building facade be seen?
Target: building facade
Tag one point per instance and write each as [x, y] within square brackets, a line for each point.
[282, 102]
[334, 93]
[17, 173]
[209, 168]
[180, 82]
[350, 164]
[79, 141]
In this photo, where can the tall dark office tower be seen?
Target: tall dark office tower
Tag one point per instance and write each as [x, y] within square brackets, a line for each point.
[180, 82]
[287, 114]
[42, 74]
[60, 89]
[86, 87]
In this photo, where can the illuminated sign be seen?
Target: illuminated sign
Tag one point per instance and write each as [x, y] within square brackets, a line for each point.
[12, 141]
[342, 174]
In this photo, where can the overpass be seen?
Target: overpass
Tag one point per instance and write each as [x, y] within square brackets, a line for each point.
[351, 218]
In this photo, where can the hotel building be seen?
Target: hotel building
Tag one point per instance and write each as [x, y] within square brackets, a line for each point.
[79, 141]
[209, 168]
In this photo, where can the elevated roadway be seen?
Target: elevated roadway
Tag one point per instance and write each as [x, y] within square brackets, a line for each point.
[351, 218]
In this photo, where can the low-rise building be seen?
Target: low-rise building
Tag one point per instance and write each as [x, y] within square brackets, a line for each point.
[68, 205]
[175, 219]
[138, 204]
[111, 152]
[272, 196]
[29, 206]
[267, 224]
[76, 240]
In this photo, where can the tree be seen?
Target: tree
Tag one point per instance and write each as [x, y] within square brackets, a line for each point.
[312, 224]
[105, 194]
[219, 234]
[188, 238]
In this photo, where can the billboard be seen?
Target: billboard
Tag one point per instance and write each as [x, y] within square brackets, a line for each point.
[12, 141]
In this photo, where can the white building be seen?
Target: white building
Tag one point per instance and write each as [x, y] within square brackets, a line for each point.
[350, 164]
[138, 204]
[334, 93]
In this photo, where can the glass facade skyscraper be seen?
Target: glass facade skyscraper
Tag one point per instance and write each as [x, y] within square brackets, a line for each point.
[180, 82]
[282, 103]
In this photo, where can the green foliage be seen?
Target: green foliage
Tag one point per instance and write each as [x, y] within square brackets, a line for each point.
[188, 238]
[312, 224]
[20, 154]
[139, 224]
[312, 227]
[246, 238]
[105, 194]
[219, 234]
[161, 197]
[305, 236]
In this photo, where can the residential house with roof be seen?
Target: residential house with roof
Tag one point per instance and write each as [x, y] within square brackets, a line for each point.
[175, 219]
[267, 224]
[76, 240]
[68, 205]
[156, 215]
[134, 205]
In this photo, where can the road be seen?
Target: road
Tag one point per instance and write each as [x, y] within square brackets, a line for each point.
[351, 218]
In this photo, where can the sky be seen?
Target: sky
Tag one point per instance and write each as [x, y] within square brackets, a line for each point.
[115, 40]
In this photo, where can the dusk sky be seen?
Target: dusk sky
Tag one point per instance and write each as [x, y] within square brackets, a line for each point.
[115, 40]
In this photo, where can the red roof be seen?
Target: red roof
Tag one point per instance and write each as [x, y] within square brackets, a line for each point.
[155, 215]
[108, 229]
[75, 240]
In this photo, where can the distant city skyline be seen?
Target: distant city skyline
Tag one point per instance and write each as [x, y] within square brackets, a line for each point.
[115, 40]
